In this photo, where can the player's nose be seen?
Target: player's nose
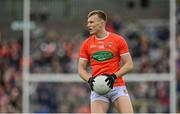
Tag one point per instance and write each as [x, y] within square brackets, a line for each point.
[88, 25]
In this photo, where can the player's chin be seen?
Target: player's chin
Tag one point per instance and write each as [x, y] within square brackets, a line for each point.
[91, 32]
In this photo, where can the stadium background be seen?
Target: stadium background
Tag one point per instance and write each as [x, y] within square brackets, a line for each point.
[57, 29]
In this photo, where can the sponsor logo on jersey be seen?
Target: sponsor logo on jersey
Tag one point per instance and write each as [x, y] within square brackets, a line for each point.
[102, 55]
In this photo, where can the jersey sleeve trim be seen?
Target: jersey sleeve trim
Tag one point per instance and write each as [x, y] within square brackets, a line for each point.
[83, 58]
[124, 53]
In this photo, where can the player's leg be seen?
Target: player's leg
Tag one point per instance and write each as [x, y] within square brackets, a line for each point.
[121, 100]
[123, 104]
[99, 106]
[99, 103]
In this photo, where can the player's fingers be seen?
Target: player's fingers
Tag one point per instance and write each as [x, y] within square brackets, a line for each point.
[106, 79]
[92, 88]
[93, 82]
[109, 83]
[111, 86]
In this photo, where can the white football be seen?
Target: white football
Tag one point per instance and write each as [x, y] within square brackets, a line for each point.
[100, 85]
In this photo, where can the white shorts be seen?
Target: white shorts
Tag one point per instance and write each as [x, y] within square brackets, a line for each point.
[111, 96]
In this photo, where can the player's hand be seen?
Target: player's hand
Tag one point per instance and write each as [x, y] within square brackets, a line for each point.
[111, 79]
[90, 81]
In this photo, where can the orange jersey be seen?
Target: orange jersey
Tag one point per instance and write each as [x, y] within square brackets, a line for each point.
[104, 54]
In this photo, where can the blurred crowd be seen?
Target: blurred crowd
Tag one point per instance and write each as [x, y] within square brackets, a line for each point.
[178, 56]
[52, 52]
[10, 75]
[62, 98]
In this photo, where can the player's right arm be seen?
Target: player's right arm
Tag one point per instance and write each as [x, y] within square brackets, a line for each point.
[83, 61]
[82, 69]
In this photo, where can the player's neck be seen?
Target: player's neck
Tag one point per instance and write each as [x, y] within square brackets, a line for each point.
[102, 34]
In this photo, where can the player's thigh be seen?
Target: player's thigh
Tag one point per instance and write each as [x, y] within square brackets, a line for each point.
[123, 104]
[99, 106]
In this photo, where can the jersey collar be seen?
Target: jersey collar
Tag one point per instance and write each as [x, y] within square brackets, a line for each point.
[103, 37]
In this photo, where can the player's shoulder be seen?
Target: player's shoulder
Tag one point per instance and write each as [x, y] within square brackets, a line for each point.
[89, 39]
[116, 36]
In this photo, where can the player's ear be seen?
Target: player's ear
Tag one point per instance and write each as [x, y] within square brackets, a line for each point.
[102, 21]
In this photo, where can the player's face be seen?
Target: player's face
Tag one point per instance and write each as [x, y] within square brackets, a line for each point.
[95, 24]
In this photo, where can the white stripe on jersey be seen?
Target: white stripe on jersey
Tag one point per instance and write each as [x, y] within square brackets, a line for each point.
[83, 58]
[124, 53]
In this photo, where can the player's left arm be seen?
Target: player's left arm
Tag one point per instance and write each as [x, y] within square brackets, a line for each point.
[127, 65]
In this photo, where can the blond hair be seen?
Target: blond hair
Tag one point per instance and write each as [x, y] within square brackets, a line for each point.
[100, 14]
